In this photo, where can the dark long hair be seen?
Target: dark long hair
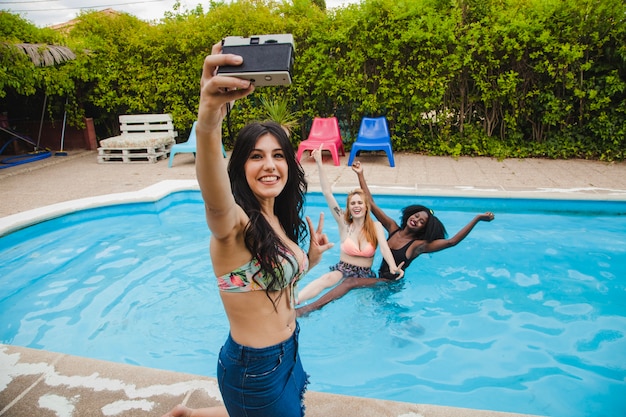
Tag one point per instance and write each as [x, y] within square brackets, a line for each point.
[433, 230]
[260, 238]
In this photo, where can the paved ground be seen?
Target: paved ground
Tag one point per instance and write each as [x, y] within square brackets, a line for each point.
[41, 383]
[78, 175]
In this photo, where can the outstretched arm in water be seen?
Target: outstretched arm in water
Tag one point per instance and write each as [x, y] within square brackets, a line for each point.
[441, 244]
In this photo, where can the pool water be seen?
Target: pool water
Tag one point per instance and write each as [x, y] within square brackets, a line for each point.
[526, 315]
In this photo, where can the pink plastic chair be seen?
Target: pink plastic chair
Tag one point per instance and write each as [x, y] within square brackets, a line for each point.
[324, 131]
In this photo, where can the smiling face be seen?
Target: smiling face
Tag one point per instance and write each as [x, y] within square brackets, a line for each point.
[417, 221]
[356, 206]
[266, 168]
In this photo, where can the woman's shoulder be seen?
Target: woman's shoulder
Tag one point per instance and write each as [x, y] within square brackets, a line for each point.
[378, 224]
[392, 228]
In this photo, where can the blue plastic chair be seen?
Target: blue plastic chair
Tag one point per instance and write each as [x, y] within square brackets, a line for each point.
[373, 136]
[187, 147]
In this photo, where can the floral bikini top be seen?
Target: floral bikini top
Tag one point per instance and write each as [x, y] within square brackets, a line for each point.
[250, 277]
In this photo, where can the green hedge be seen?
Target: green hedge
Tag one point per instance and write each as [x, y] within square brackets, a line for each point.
[515, 78]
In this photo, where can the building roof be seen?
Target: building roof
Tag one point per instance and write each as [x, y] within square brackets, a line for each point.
[67, 26]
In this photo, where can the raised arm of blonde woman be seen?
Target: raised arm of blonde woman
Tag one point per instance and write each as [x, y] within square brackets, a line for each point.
[327, 191]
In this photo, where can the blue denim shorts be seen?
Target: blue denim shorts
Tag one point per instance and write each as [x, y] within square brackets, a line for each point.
[262, 382]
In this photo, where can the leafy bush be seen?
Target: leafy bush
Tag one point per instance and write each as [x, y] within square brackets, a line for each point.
[475, 77]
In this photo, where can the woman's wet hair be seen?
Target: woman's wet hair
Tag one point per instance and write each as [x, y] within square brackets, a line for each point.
[433, 229]
[261, 240]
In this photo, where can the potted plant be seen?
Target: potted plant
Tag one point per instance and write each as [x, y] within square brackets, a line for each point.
[277, 110]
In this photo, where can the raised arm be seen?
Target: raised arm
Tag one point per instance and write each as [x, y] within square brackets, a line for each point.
[386, 252]
[224, 217]
[440, 244]
[334, 207]
[387, 222]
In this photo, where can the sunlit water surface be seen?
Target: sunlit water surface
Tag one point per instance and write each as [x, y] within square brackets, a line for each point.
[527, 314]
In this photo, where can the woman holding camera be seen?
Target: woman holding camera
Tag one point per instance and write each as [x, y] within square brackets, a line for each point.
[254, 211]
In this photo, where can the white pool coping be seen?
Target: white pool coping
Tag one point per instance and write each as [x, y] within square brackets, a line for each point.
[149, 194]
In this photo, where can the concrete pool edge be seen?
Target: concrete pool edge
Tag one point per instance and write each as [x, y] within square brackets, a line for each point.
[152, 193]
[161, 189]
[76, 386]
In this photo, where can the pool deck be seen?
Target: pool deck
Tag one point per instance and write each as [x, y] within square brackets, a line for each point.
[78, 175]
[43, 383]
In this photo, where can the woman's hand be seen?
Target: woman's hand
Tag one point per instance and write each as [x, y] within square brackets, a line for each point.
[319, 241]
[217, 90]
[182, 411]
[357, 168]
[487, 217]
[179, 411]
[398, 272]
[316, 154]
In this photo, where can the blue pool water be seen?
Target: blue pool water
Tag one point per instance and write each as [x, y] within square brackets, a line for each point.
[526, 315]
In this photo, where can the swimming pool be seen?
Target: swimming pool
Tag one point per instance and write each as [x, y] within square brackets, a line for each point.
[527, 314]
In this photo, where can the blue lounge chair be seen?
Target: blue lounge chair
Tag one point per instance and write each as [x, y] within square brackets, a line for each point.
[187, 147]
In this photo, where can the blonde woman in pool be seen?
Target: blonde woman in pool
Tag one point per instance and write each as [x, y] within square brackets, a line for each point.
[359, 234]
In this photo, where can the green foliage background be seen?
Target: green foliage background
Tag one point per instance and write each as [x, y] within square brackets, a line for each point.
[516, 78]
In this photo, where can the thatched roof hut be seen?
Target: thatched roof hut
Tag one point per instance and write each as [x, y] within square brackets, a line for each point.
[43, 55]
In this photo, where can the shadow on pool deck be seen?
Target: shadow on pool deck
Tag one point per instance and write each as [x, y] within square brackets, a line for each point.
[42, 383]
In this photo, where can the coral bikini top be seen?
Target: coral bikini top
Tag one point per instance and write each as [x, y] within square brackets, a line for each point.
[349, 247]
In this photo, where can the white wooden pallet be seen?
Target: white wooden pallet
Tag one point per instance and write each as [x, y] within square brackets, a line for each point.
[133, 155]
[144, 138]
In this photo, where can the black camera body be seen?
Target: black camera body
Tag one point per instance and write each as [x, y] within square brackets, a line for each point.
[267, 59]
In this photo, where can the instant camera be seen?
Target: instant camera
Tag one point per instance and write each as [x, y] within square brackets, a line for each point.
[267, 59]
